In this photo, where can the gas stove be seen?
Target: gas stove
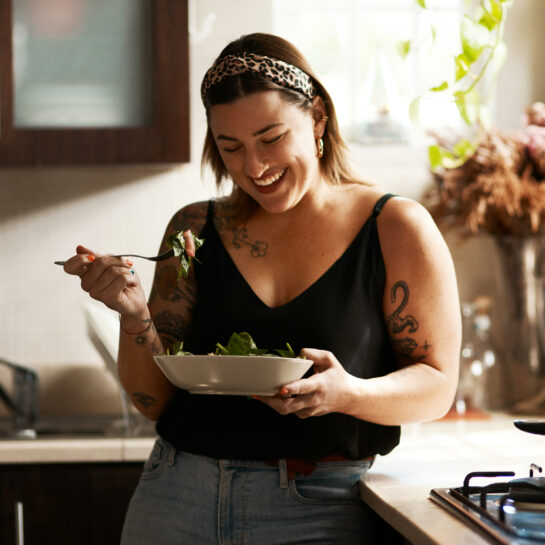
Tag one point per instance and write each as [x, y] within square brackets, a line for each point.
[509, 511]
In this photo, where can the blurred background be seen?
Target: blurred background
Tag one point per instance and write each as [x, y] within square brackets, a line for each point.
[78, 64]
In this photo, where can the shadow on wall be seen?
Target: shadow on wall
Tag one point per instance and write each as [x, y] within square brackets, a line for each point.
[28, 191]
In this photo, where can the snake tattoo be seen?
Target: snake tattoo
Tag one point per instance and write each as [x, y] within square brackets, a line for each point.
[396, 323]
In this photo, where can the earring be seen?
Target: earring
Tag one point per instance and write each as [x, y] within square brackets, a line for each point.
[319, 148]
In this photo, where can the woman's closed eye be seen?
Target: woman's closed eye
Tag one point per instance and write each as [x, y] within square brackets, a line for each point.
[274, 139]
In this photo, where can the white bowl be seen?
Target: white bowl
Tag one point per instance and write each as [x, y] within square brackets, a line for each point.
[232, 375]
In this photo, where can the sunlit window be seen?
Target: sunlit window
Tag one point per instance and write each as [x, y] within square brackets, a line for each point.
[375, 57]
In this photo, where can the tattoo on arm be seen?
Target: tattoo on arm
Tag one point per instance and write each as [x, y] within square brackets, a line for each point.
[406, 347]
[143, 399]
[166, 285]
[171, 325]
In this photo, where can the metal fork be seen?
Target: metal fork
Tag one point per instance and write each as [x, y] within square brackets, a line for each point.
[161, 257]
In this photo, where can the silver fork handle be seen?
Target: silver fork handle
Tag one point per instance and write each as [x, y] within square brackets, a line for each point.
[19, 524]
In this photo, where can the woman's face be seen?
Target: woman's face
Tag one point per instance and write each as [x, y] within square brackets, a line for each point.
[268, 147]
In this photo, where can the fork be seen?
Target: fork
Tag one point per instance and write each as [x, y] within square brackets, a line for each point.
[161, 257]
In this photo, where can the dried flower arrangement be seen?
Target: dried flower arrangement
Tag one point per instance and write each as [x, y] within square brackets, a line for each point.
[500, 188]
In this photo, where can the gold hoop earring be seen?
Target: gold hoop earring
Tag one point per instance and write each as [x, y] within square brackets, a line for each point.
[319, 148]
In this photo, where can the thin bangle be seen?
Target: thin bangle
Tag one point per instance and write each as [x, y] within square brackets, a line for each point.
[139, 332]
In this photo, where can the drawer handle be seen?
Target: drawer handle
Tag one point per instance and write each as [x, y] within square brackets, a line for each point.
[19, 527]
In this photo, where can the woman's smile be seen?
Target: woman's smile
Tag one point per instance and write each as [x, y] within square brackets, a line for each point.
[269, 182]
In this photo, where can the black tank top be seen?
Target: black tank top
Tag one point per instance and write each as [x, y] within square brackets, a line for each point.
[340, 312]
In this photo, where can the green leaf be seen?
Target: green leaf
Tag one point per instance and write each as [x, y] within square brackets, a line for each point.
[462, 66]
[492, 16]
[496, 9]
[441, 157]
[178, 350]
[435, 156]
[414, 110]
[421, 3]
[460, 99]
[403, 48]
[474, 38]
[463, 148]
[289, 353]
[441, 87]
[177, 243]
[242, 344]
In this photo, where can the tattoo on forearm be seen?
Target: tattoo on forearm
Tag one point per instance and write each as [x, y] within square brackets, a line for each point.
[171, 325]
[144, 400]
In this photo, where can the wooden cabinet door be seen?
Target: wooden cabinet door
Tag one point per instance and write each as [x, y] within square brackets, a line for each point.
[79, 503]
[162, 138]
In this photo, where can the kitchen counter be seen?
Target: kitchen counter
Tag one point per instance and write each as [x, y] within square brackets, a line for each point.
[75, 449]
[439, 455]
[430, 455]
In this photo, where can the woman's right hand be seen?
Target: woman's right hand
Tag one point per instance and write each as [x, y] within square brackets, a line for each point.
[110, 280]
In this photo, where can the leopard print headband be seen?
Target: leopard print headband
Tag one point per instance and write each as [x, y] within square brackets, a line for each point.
[275, 70]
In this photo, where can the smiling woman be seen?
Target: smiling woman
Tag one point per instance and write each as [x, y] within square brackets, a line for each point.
[358, 281]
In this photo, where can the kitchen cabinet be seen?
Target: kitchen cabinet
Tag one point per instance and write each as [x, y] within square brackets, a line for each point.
[93, 82]
[66, 503]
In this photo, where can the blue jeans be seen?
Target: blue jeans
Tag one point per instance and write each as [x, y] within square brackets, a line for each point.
[194, 500]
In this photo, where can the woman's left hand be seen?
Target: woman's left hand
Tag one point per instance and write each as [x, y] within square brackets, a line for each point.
[329, 390]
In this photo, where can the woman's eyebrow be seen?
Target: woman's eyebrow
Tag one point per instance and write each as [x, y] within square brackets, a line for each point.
[257, 133]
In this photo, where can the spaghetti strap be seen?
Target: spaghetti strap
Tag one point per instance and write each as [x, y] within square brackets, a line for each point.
[210, 212]
[381, 202]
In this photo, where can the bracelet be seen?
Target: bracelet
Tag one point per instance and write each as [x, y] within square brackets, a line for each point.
[139, 332]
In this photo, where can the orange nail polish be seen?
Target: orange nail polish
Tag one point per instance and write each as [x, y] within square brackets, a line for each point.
[256, 397]
[129, 263]
[91, 257]
[284, 391]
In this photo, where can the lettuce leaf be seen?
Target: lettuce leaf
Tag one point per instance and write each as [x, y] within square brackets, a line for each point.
[177, 243]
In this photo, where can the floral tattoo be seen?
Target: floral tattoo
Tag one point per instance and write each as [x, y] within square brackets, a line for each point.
[240, 237]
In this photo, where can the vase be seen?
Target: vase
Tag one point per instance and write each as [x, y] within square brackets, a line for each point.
[521, 314]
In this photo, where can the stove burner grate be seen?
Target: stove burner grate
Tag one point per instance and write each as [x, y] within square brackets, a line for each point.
[513, 512]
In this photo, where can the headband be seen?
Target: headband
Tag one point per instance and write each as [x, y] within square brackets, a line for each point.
[275, 70]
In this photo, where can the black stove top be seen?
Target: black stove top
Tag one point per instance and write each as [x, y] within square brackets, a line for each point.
[508, 511]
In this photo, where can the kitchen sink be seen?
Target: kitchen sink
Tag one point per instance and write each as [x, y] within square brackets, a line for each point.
[80, 427]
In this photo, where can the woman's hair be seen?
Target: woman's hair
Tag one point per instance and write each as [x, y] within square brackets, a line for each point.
[334, 164]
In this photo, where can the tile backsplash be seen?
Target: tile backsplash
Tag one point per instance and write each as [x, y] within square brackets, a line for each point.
[44, 215]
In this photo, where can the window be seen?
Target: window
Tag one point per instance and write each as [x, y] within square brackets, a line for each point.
[359, 50]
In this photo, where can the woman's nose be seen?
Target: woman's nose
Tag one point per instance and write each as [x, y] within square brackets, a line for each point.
[255, 164]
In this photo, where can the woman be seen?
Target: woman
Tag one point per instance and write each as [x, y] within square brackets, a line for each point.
[359, 282]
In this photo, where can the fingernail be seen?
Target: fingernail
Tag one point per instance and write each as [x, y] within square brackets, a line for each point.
[132, 272]
[91, 257]
[256, 397]
[284, 391]
[129, 263]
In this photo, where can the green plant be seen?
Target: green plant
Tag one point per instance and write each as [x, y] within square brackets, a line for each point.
[482, 52]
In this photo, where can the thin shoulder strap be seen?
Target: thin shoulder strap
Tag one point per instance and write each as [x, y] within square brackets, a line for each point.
[210, 212]
[381, 202]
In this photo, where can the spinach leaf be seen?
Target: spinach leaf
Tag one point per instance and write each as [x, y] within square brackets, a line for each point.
[177, 243]
[239, 344]
[178, 350]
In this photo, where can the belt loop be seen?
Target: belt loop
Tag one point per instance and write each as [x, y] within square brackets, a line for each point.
[283, 472]
[171, 456]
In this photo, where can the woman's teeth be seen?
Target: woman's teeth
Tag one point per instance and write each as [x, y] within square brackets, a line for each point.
[270, 180]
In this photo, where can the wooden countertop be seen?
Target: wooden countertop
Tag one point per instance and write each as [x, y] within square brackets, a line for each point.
[439, 455]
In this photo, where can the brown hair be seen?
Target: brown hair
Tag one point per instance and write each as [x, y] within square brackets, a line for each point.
[334, 164]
